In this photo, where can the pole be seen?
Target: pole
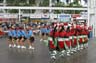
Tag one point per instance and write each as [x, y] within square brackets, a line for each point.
[88, 13]
[4, 2]
[19, 15]
[50, 5]
[50, 11]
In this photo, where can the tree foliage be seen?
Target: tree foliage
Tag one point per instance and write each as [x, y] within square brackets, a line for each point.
[59, 4]
[13, 11]
[44, 3]
[20, 2]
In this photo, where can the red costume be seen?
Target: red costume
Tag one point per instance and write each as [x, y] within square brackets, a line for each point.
[60, 39]
[53, 35]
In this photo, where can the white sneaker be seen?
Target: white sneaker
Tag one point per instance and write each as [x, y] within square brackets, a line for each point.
[53, 57]
[18, 46]
[14, 45]
[30, 47]
[41, 40]
[63, 51]
[68, 54]
[61, 55]
[10, 45]
[23, 47]
[71, 52]
[33, 48]
[55, 52]
[81, 47]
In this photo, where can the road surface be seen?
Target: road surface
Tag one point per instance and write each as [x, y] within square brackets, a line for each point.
[41, 54]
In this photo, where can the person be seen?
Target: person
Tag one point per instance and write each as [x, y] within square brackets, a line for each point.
[31, 38]
[19, 36]
[23, 37]
[84, 33]
[72, 32]
[67, 40]
[14, 36]
[43, 32]
[10, 37]
[53, 41]
[61, 41]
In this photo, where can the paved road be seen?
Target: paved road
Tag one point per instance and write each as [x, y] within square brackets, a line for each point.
[41, 55]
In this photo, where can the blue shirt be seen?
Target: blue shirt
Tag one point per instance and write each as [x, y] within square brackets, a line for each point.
[43, 30]
[48, 31]
[30, 33]
[14, 33]
[18, 33]
[9, 33]
[23, 33]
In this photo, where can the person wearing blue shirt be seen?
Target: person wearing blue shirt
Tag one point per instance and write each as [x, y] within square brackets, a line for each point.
[14, 36]
[31, 38]
[43, 33]
[47, 31]
[18, 37]
[23, 38]
[30, 33]
[10, 34]
[10, 37]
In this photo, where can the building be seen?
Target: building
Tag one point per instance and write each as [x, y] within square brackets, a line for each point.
[92, 15]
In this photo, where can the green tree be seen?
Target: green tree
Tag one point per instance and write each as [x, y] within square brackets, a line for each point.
[74, 4]
[13, 11]
[58, 11]
[28, 11]
[44, 3]
[20, 2]
[59, 4]
[1, 1]
[32, 2]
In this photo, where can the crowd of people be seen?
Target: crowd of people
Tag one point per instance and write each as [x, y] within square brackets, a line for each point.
[61, 38]
[66, 38]
[18, 35]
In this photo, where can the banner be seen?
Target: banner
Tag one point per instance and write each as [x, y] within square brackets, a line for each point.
[45, 16]
[64, 17]
[35, 16]
[52, 16]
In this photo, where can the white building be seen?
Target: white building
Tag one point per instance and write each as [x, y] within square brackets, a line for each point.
[92, 15]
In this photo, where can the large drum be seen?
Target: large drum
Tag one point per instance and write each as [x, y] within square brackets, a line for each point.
[67, 42]
[80, 39]
[75, 40]
[51, 43]
[85, 38]
[61, 43]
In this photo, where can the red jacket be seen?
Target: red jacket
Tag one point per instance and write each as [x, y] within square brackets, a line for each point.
[62, 34]
[54, 34]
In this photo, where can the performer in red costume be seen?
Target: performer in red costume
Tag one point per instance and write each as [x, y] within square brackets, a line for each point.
[72, 32]
[76, 37]
[84, 33]
[67, 40]
[53, 41]
[61, 41]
